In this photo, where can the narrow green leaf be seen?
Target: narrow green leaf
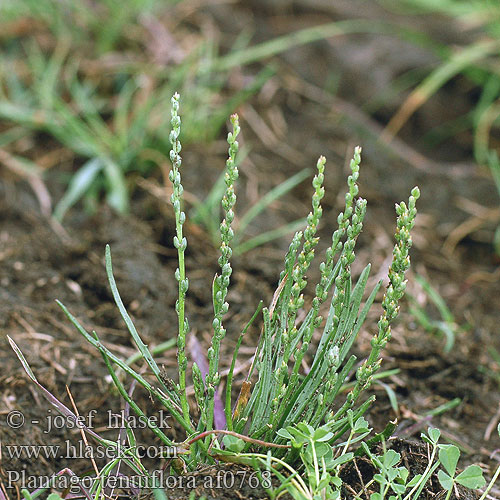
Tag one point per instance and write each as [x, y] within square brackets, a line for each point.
[135, 407]
[268, 236]
[166, 401]
[143, 348]
[117, 194]
[269, 197]
[393, 399]
[414, 480]
[78, 186]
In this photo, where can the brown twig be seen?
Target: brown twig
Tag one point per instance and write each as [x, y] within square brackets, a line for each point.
[240, 436]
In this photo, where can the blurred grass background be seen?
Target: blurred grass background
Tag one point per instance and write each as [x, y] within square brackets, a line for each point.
[85, 85]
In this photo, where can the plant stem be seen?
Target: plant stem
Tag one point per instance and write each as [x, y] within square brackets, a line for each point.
[239, 436]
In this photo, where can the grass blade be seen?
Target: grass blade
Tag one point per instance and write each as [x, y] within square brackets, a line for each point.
[268, 236]
[78, 186]
[275, 193]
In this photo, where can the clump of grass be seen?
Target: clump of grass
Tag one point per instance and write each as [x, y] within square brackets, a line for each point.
[108, 119]
[447, 326]
[276, 395]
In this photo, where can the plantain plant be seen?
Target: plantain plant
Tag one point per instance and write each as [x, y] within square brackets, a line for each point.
[276, 395]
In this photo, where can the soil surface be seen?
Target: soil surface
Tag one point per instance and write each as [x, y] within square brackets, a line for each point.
[292, 121]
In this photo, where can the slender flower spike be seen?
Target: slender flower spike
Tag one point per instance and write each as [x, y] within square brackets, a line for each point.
[394, 293]
[221, 282]
[306, 256]
[180, 244]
